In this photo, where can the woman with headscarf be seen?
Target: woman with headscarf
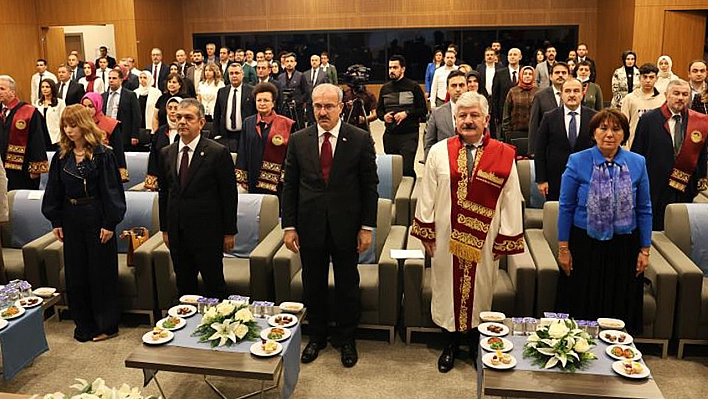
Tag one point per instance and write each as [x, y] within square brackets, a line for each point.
[94, 102]
[90, 81]
[164, 136]
[625, 79]
[147, 97]
[665, 75]
[51, 108]
[517, 106]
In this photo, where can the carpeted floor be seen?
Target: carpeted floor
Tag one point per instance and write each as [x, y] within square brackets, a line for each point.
[383, 371]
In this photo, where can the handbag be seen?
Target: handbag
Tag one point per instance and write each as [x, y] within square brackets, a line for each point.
[136, 237]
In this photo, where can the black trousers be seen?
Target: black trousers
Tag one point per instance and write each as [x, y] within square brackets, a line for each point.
[405, 145]
[190, 260]
[347, 297]
[230, 140]
[91, 272]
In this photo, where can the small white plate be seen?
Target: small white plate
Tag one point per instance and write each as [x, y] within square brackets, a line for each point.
[610, 324]
[176, 312]
[291, 307]
[487, 360]
[483, 329]
[182, 323]
[20, 313]
[627, 340]
[3, 323]
[45, 292]
[189, 299]
[147, 338]
[266, 331]
[618, 368]
[257, 349]
[637, 353]
[508, 345]
[272, 320]
[26, 302]
[492, 316]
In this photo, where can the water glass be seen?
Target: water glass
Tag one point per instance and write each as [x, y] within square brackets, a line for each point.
[517, 326]
[530, 325]
[593, 329]
[202, 305]
[25, 289]
[583, 325]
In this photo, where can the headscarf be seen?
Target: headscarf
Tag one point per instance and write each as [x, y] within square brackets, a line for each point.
[668, 73]
[521, 83]
[104, 123]
[144, 90]
[177, 99]
[629, 71]
[92, 77]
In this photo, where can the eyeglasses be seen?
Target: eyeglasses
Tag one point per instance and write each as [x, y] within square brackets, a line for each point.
[326, 107]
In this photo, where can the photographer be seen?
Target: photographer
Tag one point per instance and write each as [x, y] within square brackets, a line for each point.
[359, 103]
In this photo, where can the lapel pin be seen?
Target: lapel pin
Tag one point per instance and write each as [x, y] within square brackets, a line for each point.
[344, 139]
[201, 153]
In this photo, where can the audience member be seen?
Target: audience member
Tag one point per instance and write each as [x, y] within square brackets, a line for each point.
[592, 93]
[208, 88]
[75, 67]
[441, 123]
[41, 74]
[430, 70]
[164, 136]
[294, 82]
[625, 79]
[69, 90]
[123, 106]
[517, 108]
[546, 100]
[159, 70]
[504, 79]
[641, 100]
[147, 98]
[582, 53]
[329, 69]
[545, 69]
[487, 70]
[665, 74]
[109, 126]
[51, 108]
[103, 53]
[234, 103]
[697, 81]
[175, 88]
[91, 82]
[473, 81]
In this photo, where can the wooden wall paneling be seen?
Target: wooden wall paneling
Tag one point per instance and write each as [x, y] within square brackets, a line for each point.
[54, 47]
[684, 35]
[615, 32]
[159, 23]
[19, 40]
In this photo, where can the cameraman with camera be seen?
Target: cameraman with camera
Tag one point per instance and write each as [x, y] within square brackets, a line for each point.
[359, 103]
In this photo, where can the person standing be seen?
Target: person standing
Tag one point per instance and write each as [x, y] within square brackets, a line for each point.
[111, 131]
[546, 100]
[582, 53]
[234, 103]
[697, 80]
[198, 201]
[438, 87]
[504, 79]
[517, 108]
[646, 98]
[604, 227]
[84, 200]
[51, 108]
[625, 79]
[147, 99]
[430, 70]
[22, 136]
[263, 145]
[122, 105]
[329, 211]
[90, 81]
[164, 136]
[544, 70]
[401, 105]
[329, 69]
[672, 138]
[665, 74]
[41, 74]
[592, 93]
[441, 123]
[70, 91]
[468, 177]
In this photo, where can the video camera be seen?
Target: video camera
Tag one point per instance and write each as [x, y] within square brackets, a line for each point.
[356, 77]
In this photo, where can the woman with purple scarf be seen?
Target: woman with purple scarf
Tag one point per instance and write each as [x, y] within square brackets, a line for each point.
[604, 227]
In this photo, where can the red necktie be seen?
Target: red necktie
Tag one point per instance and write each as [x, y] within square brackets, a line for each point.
[326, 157]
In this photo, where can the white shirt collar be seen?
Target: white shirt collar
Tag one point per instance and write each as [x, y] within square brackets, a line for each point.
[567, 111]
[334, 132]
[192, 145]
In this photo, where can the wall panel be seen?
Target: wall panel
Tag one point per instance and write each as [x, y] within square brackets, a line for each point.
[20, 43]
[158, 24]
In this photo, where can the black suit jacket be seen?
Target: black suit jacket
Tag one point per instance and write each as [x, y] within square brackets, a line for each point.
[162, 79]
[321, 78]
[74, 93]
[298, 84]
[346, 204]
[204, 210]
[248, 108]
[79, 72]
[111, 61]
[482, 70]
[128, 114]
[500, 87]
[131, 83]
[543, 101]
[553, 147]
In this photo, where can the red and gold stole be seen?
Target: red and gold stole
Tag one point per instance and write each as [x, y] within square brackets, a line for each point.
[19, 136]
[474, 201]
[271, 172]
[693, 143]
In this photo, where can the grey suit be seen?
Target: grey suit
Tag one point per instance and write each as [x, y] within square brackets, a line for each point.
[544, 101]
[543, 77]
[321, 78]
[439, 127]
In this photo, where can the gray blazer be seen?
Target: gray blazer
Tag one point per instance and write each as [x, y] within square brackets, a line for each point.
[543, 79]
[439, 127]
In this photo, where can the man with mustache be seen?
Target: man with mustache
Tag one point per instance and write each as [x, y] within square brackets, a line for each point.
[672, 138]
[563, 131]
[401, 105]
[468, 215]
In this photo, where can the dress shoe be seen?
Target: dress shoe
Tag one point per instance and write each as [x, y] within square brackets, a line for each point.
[349, 355]
[104, 336]
[446, 361]
[312, 350]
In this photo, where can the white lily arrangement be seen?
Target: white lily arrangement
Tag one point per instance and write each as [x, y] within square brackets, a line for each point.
[560, 344]
[99, 390]
[227, 323]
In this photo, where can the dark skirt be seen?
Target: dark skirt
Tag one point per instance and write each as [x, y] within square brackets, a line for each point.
[603, 282]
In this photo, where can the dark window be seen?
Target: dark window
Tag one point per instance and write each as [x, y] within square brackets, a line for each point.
[373, 47]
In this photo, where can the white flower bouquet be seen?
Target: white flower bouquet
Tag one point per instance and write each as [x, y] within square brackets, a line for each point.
[561, 344]
[99, 390]
[227, 323]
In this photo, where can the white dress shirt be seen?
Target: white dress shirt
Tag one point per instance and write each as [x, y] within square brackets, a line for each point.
[332, 140]
[229, 107]
[65, 89]
[511, 74]
[192, 147]
[112, 104]
[207, 92]
[489, 78]
[557, 93]
[438, 89]
[672, 124]
[566, 112]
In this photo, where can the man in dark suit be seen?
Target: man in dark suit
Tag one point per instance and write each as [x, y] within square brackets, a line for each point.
[583, 56]
[504, 80]
[122, 104]
[293, 81]
[315, 75]
[159, 69]
[224, 64]
[329, 211]
[672, 138]
[103, 50]
[441, 123]
[263, 74]
[487, 70]
[234, 103]
[76, 69]
[198, 202]
[69, 90]
[546, 100]
[564, 130]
